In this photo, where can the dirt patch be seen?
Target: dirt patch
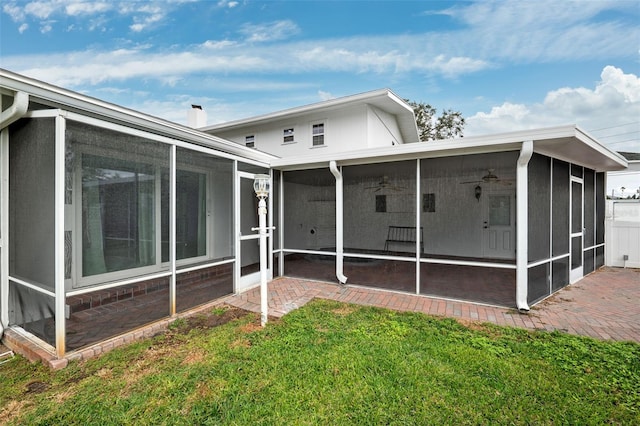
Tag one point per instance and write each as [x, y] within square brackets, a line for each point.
[215, 318]
[343, 311]
[36, 387]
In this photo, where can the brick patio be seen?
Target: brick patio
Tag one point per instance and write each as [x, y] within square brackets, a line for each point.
[603, 305]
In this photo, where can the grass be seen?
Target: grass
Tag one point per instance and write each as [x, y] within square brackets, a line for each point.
[332, 363]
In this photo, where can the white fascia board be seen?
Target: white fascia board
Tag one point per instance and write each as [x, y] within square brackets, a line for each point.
[463, 146]
[48, 93]
[363, 98]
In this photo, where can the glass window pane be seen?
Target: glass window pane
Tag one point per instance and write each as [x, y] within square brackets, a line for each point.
[118, 202]
[499, 210]
[118, 214]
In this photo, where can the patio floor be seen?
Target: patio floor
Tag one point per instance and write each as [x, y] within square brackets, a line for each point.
[603, 305]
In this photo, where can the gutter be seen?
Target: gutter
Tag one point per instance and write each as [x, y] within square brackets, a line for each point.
[339, 224]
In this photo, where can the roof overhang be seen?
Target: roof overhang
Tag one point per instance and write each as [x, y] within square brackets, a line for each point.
[60, 98]
[383, 99]
[567, 143]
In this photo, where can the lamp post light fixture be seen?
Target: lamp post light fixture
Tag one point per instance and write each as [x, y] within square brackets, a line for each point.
[262, 186]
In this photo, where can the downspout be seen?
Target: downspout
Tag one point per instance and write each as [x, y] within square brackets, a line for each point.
[522, 220]
[339, 224]
[17, 109]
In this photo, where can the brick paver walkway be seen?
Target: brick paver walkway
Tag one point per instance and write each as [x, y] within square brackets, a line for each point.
[603, 305]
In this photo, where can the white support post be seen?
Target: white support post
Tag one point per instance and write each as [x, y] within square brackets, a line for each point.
[522, 221]
[262, 223]
[281, 223]
[172, 230]
[59, 257]
[418, 233]
[4, 228]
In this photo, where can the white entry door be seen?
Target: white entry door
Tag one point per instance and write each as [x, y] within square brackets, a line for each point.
[248, 262]
[499, 231]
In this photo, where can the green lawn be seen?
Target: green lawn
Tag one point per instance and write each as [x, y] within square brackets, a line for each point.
[332, 363]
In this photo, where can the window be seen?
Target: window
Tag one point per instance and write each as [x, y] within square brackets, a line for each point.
[287, 135]
[250, 141]
[118, 215]
[318, 134]
[429, 203]
[191, 215]
[381, 203]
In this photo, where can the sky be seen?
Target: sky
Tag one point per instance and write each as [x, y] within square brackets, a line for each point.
[505, 65]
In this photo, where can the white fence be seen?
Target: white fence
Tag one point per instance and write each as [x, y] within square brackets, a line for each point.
[622, 233]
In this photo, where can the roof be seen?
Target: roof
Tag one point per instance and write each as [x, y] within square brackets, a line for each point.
[631, 156]
[56, 97]
[383, 99]
[567, 143]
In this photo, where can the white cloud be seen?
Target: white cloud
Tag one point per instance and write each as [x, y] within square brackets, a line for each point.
[272, 31]
[325, 96]
[23, 28]
[87, 8]
[609, 108]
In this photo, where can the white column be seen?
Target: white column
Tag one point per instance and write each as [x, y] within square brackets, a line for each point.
[522, 221]
[59, 191]
[172, 230]
[4, 227]
[262, 224]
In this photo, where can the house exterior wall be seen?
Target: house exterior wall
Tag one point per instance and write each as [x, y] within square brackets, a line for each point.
[346, 129]
[382, 128]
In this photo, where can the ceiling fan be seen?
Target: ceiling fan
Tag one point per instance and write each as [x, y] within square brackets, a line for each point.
[384, 184]
[490, 177]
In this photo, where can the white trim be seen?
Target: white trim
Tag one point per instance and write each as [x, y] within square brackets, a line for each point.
[576, 274]
[204, 266]
[35, 287]
[522, 225]
[468, 263]
[546, 141]
[51, 95]
[173, 176]
[58, 238]
[418, 221]
[119, 283]
[4, 227]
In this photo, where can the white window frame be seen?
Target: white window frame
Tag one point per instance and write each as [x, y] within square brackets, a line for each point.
[314, 124]
[286, 135]
[250, 141]
[81, 281]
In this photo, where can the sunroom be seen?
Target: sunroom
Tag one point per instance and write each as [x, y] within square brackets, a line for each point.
[504, 220]
[112, 220]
